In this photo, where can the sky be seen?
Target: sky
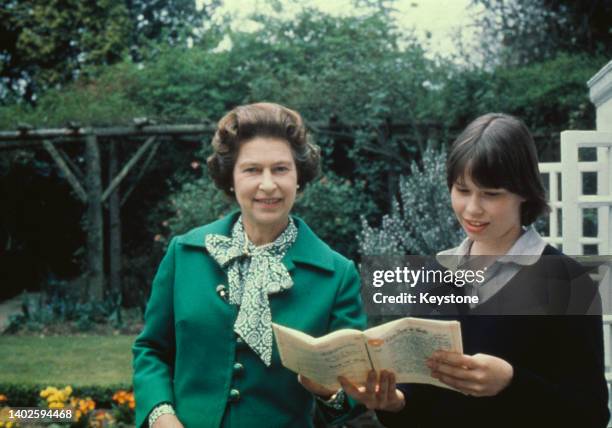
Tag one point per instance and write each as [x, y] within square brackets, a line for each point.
[442, 19]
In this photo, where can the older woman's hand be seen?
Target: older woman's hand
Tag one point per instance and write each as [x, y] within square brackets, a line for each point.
[480, 375]
[379, 393]
[167, 421]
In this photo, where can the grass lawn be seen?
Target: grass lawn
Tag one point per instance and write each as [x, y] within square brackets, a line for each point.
[66, 360]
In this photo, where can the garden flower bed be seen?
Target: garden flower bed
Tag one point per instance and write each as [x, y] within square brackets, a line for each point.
[68, 404]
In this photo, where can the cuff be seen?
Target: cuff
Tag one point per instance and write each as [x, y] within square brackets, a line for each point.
[160, 409]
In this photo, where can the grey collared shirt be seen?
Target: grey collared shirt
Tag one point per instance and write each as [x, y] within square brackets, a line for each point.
[525, 251]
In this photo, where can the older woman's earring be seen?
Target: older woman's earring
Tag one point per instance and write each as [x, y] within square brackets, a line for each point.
[298, 187]
[232, 189]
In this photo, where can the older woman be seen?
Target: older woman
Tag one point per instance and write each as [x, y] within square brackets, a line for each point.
[206, 356]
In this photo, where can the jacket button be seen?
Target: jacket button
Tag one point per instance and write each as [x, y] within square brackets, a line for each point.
[239, 340]
[234, 396]
[238, 369]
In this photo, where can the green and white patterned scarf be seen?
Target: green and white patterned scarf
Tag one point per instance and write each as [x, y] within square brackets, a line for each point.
[253, 273]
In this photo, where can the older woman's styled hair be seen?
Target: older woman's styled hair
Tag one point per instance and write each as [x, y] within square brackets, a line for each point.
[271, 120]
[497, 151]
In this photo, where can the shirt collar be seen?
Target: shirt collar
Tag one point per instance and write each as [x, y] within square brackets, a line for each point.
[525, 251]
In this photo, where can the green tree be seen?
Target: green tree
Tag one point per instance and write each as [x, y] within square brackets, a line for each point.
[359, 71]
[550, 96]
[518, 32]
[169, 22]
[45, 44]
[180, 85]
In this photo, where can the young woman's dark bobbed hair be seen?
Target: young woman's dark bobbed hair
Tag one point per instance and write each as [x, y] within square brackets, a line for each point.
[497, 151]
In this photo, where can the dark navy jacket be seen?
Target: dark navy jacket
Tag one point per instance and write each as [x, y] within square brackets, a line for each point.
[558, 360]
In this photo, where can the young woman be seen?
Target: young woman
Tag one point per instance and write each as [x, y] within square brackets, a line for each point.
[206, 356]
[526, 361]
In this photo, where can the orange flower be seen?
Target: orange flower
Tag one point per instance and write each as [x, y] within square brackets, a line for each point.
[101, 418]
[122, 397]
[3, 397]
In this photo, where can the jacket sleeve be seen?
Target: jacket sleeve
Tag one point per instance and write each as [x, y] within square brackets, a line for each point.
[347, 313]
[348, 308]
[418, 399]
[577, 395]
[574, 392]
[154, 348]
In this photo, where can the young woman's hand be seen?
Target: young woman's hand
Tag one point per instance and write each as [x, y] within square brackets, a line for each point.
[167, 420]
[480, 375]
[315, 388]
[379, 393]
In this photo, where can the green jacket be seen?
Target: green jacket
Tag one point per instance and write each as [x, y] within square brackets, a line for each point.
[189, 355]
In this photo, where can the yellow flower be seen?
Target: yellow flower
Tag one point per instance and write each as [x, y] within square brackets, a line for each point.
[48, 391]
[5, 416]
[56, 405]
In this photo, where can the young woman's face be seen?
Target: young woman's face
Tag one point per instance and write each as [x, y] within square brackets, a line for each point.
[490, 217]
[265, 182]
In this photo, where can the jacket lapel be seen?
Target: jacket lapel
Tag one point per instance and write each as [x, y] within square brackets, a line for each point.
[307, 249]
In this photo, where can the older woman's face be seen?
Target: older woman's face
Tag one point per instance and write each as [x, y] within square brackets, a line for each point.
[265, 182]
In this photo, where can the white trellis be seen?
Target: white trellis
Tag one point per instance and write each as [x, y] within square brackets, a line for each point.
[580, 195]
[571, 203]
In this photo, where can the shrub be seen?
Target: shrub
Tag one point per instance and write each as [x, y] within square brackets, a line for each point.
[331, 206]
[196, 203]
[61, 304]
[422, 221]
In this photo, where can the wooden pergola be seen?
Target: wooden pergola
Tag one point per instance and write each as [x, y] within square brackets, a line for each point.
[88, 187]
[87, 184]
